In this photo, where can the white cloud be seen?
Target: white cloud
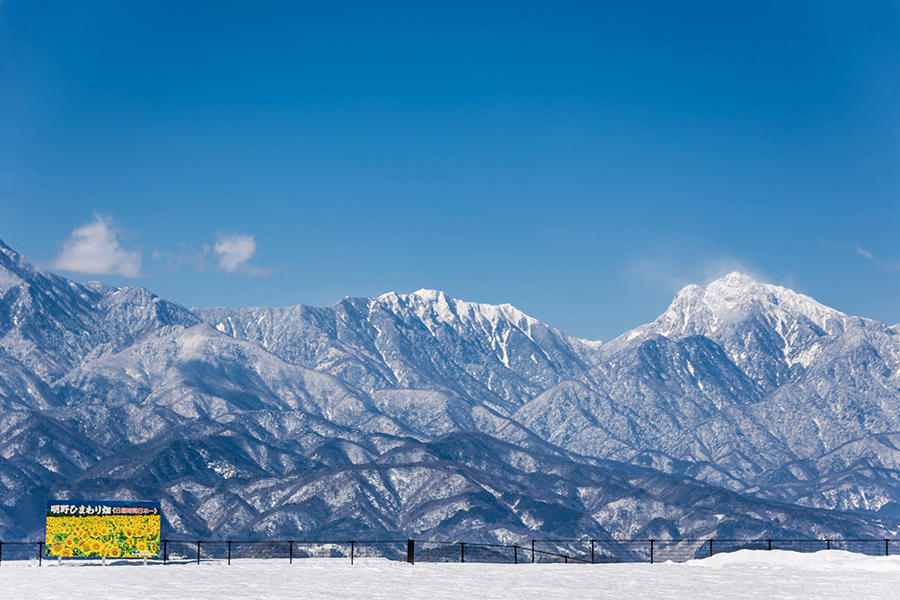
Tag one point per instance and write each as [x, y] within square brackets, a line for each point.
[234, 251]
[94, 249]
[866, 253]
[872, 258]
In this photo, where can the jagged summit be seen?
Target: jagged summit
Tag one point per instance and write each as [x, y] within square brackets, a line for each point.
[439, 306]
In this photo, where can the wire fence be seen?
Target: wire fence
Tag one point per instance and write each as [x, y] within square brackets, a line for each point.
[575, 551]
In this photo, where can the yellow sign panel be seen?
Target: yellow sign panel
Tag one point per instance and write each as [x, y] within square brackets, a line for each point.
[103, 529]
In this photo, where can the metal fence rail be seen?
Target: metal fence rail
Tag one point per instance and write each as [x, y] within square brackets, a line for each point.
[580, 550]
[683, 549]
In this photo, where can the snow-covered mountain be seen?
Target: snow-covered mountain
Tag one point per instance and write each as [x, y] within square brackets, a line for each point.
[494, 355]
[419, 414]
[747, 385]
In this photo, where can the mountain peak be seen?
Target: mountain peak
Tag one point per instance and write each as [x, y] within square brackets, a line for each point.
[736, 297]
[438, 305]
[726, 288]
[14, 268]
[431, 295]
[12, 260]
[421, 295]
[735, 279]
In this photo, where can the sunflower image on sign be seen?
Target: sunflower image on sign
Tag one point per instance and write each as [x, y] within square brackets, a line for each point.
[98, 528]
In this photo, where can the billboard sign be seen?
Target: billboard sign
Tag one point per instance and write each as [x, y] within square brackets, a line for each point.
[103, 528]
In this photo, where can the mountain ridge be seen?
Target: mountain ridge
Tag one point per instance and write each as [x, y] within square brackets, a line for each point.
[97, 380]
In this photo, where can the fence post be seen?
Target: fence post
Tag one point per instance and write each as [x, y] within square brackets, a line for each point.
[651, 550]
[291, 552]
[532, 550]
[462, 552]
[40, 552]
[352, 550]
[198, 552]
[770, 544]
[710, 547]
[886, 541]
[229, 552]
[828, 544]
[411, 552]
[1, 552]
[165, 551]
[515, 554]
[592, 551]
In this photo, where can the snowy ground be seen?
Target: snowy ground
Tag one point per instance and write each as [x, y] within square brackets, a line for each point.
[828, 575]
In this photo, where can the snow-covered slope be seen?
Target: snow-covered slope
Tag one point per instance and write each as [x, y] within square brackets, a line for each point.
[742, 575]
[51, 324]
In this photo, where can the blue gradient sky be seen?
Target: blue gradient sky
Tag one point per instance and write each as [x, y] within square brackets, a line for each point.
[579, 160]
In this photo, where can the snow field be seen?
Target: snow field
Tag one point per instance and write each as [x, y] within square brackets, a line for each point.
[831, 575]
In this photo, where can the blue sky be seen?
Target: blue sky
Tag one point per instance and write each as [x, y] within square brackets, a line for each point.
[581, 161]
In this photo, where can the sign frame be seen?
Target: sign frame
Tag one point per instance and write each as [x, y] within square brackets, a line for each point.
[103, 528]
